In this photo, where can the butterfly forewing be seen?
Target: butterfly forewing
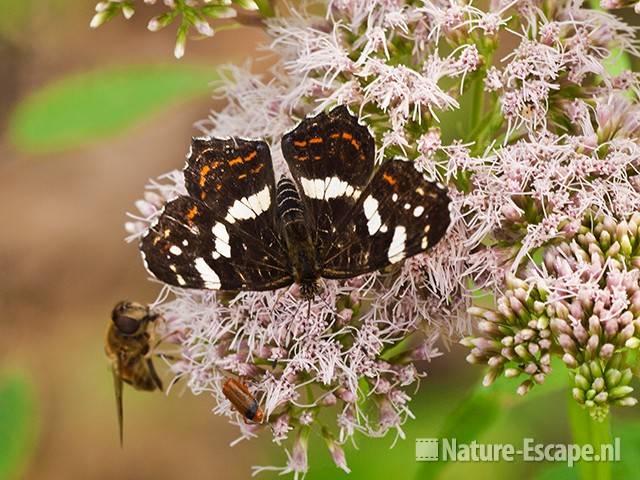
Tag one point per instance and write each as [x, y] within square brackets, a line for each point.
[234, 177]
[221, 171]
[223, 236]
[331, 158]
[398, 215]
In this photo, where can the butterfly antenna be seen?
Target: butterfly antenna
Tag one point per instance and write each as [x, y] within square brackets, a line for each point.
[164, 338]
[297, 309]
[327, 304]
[281, 293]
[271, 428]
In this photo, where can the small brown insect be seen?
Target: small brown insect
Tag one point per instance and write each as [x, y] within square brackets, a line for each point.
[128, 347]
[242, 400]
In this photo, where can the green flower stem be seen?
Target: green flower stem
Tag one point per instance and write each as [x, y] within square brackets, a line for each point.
[484, 131]
[587, 431]
[478, 101]
[265, 7]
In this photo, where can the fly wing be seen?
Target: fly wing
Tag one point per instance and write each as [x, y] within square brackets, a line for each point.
[117, 386]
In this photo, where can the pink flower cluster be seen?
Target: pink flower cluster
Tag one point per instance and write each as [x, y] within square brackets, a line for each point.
[582, 304]
[550, 141]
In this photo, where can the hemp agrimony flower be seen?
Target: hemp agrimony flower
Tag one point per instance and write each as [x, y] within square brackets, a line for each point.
[539, 149]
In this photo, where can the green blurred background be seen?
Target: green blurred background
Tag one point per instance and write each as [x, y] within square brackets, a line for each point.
[86, 117]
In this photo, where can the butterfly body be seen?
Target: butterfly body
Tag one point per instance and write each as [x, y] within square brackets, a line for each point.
[337, 217]
[301, 251]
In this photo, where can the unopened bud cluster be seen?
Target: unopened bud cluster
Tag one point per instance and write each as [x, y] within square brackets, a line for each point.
[583, 306]
[601, 383]
[515, 338]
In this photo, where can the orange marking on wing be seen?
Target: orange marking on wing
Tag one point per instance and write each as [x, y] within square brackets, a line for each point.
[317, 157]
[203, 195]
[300, 143]
[257, 169]
[347, 136]
[235, 161]
[218, 187]
[389, 179]
[215, 165]
[301, 158]
[192, 213]
[203, 174]
[334, 135]
[355, 144]
[241, 176]
[251, 156]
[316, 140]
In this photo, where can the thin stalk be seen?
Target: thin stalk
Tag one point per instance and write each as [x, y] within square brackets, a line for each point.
[587, 431]
[265, 7]
[477, 107]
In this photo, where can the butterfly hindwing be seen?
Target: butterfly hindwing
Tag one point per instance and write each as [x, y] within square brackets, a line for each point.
[398, 215]
[331, 158]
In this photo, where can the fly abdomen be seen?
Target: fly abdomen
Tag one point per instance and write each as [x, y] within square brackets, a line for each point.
[288, 200]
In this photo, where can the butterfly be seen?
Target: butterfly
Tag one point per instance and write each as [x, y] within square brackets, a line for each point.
[337, 217]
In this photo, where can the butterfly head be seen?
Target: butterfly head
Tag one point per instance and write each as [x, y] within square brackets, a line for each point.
[310, 289]
[304, 264]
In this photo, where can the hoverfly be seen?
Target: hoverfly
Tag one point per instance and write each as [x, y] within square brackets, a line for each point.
[242, 400]
[128, 346]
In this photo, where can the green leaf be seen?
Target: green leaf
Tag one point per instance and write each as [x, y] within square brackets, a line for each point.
[629, 463]
[484, 406]
[82, 108]
[18, 422]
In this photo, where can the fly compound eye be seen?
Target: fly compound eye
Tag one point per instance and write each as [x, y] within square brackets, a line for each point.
[126, 324]
[129, 316]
